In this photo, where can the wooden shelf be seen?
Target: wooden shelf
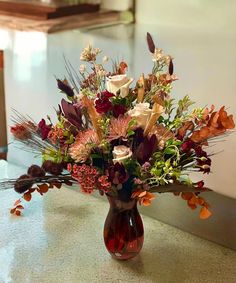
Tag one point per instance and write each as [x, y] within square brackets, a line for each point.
[39, 10]
[63, 23]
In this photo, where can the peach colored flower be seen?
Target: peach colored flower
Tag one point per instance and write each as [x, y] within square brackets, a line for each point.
[119, 128]
[81, 148]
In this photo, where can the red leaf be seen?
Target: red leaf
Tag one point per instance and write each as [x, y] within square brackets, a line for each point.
[68, 183]
[18, 213]
[27, 196]
[43, 188]
[57, 185]
[12, 211]
[205, 213]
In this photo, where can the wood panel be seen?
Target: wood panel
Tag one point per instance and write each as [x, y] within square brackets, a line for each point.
[42, 11]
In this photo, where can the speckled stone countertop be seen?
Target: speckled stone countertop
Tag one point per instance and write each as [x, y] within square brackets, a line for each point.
[59, 239]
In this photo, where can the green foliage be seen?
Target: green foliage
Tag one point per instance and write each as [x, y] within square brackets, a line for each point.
[183, 106]
[55, 155]
[104, 124]
[166, 167]
[131, 125]
[132, 166]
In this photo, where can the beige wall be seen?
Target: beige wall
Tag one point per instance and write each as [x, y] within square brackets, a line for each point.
[201, 36]
[205, 13]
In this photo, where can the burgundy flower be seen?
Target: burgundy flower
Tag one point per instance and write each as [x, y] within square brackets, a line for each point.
[200, 184]
[44, 129]
[187, 146]
[102, 103]
[146, 148]
[200, 152]
[118, 110]
[117, 174]
[203, 161]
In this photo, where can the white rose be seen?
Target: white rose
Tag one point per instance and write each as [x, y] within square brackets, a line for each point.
[119, 82]
[121, 153]
[141, 112]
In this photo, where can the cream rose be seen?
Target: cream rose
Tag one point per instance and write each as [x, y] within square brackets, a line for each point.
[121, 153]
[141, 112]
[119, 83]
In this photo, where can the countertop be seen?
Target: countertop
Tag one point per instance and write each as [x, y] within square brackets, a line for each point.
[59, 239]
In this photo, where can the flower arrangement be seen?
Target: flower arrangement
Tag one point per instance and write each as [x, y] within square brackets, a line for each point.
[121, 137]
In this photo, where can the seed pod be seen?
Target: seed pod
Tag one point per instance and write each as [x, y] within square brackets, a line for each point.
[64, 87]
[150, 42]
[52, 167]
[171, 67]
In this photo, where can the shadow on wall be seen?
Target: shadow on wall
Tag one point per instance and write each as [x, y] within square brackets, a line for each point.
[219, 228]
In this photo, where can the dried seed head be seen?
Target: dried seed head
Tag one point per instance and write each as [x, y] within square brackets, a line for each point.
[22, 184]
[36, 171]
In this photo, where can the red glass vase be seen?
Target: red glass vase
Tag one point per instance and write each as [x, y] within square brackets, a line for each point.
[123, 229]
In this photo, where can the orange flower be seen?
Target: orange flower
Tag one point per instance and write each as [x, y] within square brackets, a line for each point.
[143, 197]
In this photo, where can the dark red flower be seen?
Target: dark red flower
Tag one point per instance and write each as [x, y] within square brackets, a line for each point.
[44, 129]
[118, 110]
[145, 149]
[187, 146]
[102, 103]
[200, 184]
[200, 152]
